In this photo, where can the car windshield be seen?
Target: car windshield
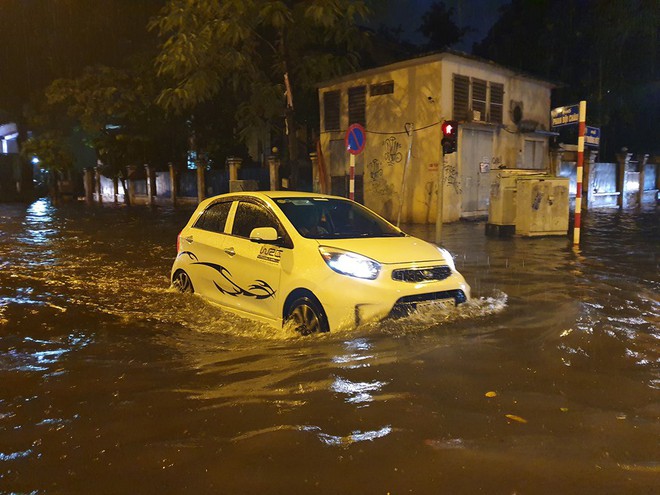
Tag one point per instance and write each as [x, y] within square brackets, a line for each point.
[326, 218]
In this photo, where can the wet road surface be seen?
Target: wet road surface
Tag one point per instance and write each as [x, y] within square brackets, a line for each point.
[111, 382]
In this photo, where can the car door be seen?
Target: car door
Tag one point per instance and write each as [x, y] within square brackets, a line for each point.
[254, 268]
[205, 243]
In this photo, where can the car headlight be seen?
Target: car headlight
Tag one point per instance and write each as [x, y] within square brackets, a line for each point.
[448, 258]
[351, 264]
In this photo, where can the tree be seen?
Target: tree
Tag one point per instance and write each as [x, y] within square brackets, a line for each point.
[116, 109]
[265, 53]
[603, 52]
[439, 27]
[54, 155]
[43, 40]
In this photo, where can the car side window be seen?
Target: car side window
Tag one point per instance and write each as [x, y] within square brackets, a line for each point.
[214, 217]
[250, 216]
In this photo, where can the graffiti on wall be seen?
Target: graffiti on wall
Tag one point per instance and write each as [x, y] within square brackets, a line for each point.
[392, 153]
[451, 178]
[375, 169]
[376, 180]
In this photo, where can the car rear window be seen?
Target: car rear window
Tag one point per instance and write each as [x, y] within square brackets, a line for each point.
[214, 217]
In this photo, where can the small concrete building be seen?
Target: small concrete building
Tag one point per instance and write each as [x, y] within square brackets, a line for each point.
[504, 121]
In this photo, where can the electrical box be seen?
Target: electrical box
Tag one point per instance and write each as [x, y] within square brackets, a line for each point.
[542, 207]
[527, 203]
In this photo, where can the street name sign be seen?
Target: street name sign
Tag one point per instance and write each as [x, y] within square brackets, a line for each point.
[565, 115]
[592, 136]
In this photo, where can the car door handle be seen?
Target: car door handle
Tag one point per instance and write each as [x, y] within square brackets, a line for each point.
[230, 251]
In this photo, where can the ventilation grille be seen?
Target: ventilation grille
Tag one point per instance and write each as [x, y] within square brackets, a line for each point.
[422, 274]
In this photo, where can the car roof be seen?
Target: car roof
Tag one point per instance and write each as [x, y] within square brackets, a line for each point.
[270, 195]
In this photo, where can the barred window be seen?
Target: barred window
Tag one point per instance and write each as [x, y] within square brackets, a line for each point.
[479, 88]
[331, 110]
[461, 97]
[496, 103]
[386, 88]
[357, 105]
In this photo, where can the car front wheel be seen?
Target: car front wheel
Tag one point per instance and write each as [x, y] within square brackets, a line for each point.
[181, 281]
[306, 316]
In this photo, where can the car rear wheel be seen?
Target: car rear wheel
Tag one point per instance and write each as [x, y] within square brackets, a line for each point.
[306, 316]
[181, 281]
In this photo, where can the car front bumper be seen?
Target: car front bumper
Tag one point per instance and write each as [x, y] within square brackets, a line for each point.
[350, 302]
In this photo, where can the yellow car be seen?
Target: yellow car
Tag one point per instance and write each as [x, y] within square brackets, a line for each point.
[316, 261]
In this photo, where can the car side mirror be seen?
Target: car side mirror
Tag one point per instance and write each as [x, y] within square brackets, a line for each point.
[264, 234]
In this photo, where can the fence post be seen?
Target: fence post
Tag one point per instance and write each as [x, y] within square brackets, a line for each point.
[129, 184]
[274, 169]
[173, 185]
[89, 186]
[201, 181]
[234, 164]
[642, 159]
[97, 185]
[150, 191]
[587, 181]
[622, 164]
[555, 162]
[316, 186]
[656, 161]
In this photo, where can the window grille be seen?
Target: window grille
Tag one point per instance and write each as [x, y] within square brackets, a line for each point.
[331, 110]
[386, 88]
[357, 105]
[496, 103]
[479, 88]
[461, 97]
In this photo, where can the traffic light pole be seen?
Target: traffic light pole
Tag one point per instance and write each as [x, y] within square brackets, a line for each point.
[448, 145]
[441, 180]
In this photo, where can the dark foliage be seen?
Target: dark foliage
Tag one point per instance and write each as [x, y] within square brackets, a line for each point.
[603, 52]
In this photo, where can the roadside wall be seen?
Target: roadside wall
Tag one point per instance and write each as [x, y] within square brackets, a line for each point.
[626, 183]
[157, 188]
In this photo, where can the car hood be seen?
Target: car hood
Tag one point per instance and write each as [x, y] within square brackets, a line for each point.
[389, 249]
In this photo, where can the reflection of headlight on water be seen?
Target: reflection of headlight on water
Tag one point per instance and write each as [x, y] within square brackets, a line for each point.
[348, 263]
[357, 392]
[356, 436]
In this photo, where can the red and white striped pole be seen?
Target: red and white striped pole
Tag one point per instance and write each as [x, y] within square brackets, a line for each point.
[580, 171]
[351, 178]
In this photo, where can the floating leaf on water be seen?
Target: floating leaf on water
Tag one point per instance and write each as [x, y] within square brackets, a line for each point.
[513, 417]
[491, 394]
[563, 409]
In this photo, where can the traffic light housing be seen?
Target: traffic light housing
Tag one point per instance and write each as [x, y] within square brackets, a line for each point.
[449, 136]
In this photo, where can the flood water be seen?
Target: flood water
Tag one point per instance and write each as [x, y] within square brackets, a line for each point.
[548, 382]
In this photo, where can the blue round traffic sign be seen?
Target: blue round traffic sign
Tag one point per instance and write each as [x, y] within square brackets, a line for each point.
[355, 139]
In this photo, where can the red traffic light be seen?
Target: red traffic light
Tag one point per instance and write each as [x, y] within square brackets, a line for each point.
[449, 136]
[449, 128]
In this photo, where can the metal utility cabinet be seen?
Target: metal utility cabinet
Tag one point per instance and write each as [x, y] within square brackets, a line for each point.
[527, 203]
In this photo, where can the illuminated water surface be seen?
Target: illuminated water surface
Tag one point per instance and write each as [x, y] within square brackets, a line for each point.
[110, 382]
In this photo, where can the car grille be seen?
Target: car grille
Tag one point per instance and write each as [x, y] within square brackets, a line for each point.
[406, 305]
[416, 275]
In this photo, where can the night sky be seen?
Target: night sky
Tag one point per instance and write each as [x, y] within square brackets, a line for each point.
[478, 14]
